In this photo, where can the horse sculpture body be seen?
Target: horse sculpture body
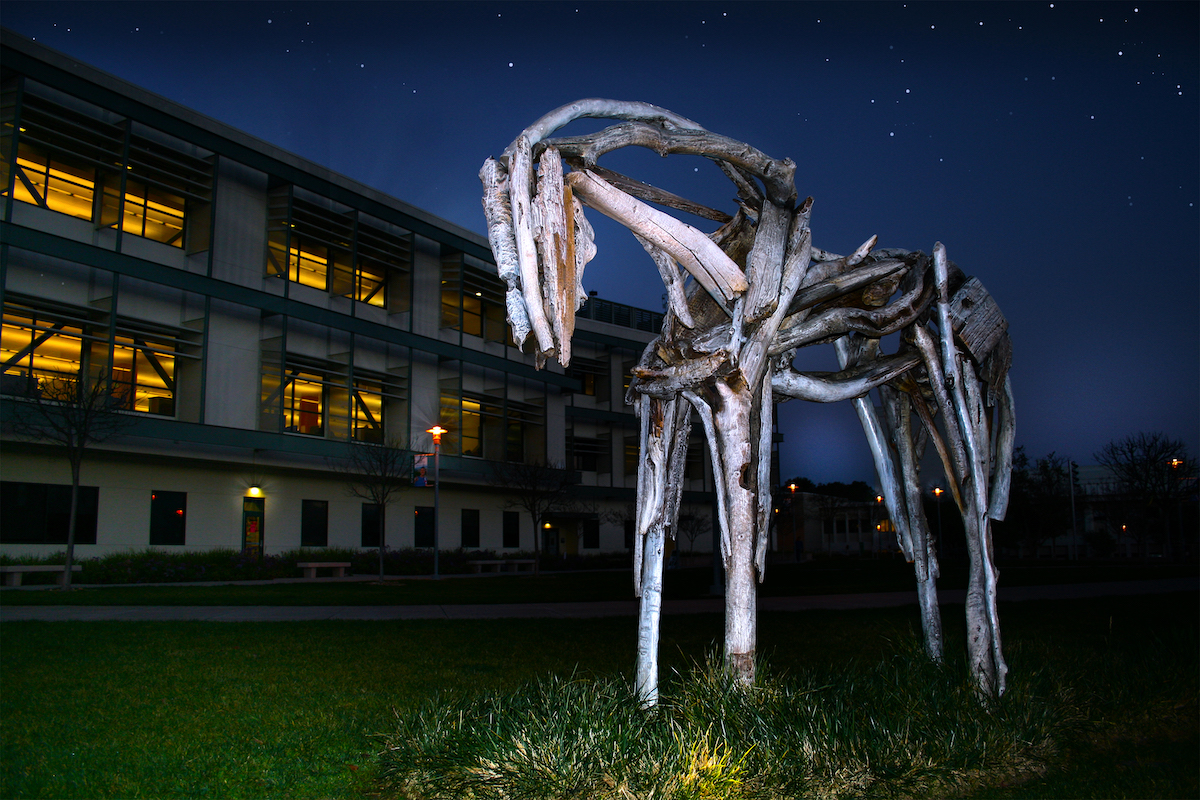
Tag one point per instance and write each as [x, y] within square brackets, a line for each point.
[759, 290]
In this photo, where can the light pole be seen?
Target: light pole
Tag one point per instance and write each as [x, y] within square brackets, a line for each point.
[437, 431]
[792, 514]
[1074, 526]
[937, 496]
[879, 525]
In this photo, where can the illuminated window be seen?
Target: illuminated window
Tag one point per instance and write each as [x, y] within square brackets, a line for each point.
[54, 183]
[491, 426]
[477, 423]
[144, 375]
[473, 299]
[366, 412]
[39, 343]
[317, 397]
[315, 242]
[303, 405]
[91, 164]
[147, 211]
[592, 375]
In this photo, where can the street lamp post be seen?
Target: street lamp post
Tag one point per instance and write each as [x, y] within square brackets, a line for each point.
[1074, 526]
[792, 514]
[937, 494]
[437, 431]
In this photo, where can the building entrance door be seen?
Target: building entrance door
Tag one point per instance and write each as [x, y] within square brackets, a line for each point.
[550, 541]
[253, 514]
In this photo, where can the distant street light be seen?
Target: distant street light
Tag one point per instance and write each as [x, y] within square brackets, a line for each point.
[437, 431]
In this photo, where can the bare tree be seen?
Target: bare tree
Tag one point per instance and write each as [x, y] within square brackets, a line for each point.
[691, 527]
[538, 488]
[376, 473]
[71, 414]
[1154, 473]
[1040, 504]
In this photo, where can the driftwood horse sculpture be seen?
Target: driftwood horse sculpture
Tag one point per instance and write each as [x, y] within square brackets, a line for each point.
[758, 290]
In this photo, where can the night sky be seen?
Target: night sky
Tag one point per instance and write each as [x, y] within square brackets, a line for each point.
[1053, 148]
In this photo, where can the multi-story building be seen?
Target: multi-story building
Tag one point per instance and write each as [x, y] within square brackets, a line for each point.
[257, 313]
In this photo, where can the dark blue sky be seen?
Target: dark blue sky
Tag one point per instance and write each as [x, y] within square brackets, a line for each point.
[1053, 148]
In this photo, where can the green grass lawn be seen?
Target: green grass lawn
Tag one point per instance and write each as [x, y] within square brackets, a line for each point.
[823, 577]
[297, 710]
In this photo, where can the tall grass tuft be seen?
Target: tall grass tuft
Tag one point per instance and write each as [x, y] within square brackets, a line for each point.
[902, 726]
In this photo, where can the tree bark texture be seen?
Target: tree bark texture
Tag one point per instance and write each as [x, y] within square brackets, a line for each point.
[741, 300]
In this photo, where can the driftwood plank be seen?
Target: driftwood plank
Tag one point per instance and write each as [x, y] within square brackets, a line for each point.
[976, 319]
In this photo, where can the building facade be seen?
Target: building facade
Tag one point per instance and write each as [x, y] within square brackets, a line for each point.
[257, 315]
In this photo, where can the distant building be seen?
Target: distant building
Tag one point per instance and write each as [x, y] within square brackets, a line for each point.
[260, 313]
[809, 524]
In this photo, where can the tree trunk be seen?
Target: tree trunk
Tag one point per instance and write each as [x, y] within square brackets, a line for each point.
[734, 414]
[382, 512]
[75, 470]
[649, 613]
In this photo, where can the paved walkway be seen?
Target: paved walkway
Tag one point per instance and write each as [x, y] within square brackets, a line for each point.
[613, 608]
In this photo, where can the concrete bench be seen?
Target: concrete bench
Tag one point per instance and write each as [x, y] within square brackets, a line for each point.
[12, 573]
[310, 567]
[503, 565]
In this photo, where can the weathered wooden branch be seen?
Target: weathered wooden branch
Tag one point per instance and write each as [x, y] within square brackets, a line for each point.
[651, 194]
[503, 240]
[834, 387]
[925, 563]
[775, 175]
[692, 249]
[600, 108]
[520, 174]
[669, 271]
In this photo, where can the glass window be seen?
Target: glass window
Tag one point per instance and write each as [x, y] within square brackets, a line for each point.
[303, 406]
[168, 517]
[147, 211]
[317, 397]
[423, 526]
[58, 341]
[587, 455]
[592, 375]
[55, 182]
[366, 412]
[90, 164]
[470, 527]
[145, 376]
[371, 514]
[40, 513]
[591, 534]
[314, 523]
[512, 529]
[633, 448]
[473, 299]
[315, 242]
